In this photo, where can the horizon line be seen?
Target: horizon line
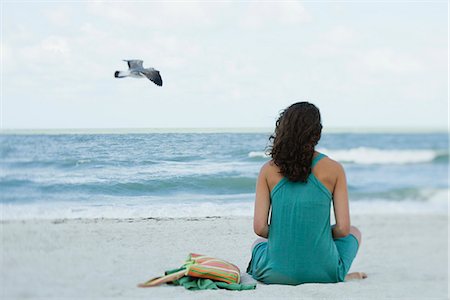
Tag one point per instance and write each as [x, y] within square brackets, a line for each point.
[125, 130]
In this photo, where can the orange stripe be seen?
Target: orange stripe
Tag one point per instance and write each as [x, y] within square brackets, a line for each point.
[214, 274]
[219, 276]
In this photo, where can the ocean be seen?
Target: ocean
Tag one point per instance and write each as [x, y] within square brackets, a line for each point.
[188, 174]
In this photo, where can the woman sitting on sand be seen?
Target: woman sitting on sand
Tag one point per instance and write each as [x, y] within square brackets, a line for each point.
[298, 185]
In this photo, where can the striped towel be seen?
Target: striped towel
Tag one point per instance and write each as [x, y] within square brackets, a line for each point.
[204, 267]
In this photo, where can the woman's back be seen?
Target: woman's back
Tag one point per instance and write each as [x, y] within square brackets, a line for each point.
[295, 190]
[300, 247]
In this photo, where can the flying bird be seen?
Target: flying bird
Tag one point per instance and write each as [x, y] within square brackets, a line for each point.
[135, 69]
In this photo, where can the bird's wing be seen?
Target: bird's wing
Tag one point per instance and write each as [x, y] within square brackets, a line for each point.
[153, 75]
[134, 63]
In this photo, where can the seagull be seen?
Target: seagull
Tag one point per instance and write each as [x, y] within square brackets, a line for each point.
[135, 69]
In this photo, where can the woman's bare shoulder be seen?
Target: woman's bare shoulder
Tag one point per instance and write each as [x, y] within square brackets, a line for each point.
[267, 166]
[270, 168]
[270, 165]
[332, 165]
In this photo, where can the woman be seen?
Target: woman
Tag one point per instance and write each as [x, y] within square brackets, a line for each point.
[297, 187]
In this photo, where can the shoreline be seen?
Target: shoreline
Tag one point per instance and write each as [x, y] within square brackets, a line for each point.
[94, 220]
[437, 206]
[403, 256]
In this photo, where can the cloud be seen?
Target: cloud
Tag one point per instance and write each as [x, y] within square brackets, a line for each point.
[232, 63]
[56, 46]
[333, 43]
[5, 51]
[158, 14]
[51, 50]
[340, 35]
[344, 44]
[199, 14]
[388, 60]
[263, 14]
[58, 16]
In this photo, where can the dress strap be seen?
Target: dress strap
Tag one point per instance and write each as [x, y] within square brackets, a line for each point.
[316, 159]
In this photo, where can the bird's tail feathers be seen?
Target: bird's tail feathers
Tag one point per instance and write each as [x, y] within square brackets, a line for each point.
[121, 74]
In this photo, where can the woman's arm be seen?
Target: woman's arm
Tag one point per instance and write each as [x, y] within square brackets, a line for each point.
[262, 204]
[340, 203]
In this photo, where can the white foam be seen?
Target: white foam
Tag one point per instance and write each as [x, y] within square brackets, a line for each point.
[368, 156]
[258, 154]
[437, 204]
[398, 207]
[122, 211]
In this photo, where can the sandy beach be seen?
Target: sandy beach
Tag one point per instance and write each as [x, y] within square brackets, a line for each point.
[405, 256]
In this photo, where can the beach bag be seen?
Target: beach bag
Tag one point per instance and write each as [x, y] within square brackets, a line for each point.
[200, 266]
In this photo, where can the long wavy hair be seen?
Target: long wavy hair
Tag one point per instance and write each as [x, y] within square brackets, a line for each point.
[297, 132]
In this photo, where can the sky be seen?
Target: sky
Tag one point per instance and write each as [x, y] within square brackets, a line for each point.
[379, 64]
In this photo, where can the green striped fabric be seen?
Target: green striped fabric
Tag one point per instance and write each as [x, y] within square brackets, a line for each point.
[203, 266]
[200, 266]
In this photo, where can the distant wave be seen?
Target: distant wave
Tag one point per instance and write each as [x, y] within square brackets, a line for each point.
[413, 194]
[215, 184]
[369, 156]
[258, 154]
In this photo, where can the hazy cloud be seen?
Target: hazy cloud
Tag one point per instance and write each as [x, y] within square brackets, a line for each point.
[387, 60]
[265, 14]
[223, 63]
[58, 16]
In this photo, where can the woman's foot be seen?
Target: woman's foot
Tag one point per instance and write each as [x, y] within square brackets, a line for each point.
[355, 276]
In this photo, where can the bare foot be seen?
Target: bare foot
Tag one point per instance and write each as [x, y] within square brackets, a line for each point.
[355, 276]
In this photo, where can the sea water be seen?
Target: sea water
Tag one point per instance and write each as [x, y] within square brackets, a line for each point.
[188, 174]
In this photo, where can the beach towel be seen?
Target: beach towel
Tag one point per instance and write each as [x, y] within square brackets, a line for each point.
[201, 272]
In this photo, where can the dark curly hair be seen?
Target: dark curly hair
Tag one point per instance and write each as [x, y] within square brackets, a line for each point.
[297, 132]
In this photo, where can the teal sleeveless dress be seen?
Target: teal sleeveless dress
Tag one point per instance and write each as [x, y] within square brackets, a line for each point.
[300, 247]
